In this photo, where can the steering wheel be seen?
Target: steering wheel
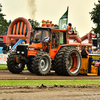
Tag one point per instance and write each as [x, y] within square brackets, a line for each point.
[37, 40]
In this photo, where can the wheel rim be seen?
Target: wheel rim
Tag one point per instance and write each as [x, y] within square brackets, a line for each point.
[44, 63]
[19, 65]
[74, 62]
[70, 62]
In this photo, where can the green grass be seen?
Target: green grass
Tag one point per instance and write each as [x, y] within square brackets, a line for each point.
[3, 66]
[46, 82]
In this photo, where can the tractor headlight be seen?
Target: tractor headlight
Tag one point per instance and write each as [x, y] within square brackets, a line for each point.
[18, 51]
[22, 52]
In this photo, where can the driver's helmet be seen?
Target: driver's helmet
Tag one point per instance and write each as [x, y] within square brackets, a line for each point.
[46, 39]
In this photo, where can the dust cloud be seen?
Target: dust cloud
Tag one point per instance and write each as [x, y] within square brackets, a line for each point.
[31, 6]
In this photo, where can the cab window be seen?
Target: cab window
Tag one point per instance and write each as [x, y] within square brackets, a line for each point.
[63, 36]
[39, 35]
[55, 39]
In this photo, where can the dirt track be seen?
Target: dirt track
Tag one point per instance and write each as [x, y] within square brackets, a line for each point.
[55, 93]
[5, 74]
[48, 93]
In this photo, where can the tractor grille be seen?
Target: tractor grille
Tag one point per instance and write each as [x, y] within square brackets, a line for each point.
[22, 49]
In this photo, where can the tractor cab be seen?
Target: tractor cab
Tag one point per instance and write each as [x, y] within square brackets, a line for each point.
[49, 40]
[56, 36]
[40, 35]
[58, 40]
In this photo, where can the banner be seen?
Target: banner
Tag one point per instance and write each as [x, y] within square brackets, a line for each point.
[95, 59]
[63, 21]
[3, 58]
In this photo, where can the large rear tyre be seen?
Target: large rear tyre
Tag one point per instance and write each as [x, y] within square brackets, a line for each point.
[58, 62]
[30, 65]
[72, 62]
[42, 63]
[13, 66]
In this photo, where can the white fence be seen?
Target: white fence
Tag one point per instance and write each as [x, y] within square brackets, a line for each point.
[3, 58]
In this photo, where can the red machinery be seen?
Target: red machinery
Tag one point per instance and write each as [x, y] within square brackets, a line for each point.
[44, 49]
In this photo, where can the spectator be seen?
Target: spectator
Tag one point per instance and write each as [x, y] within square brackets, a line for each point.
[69, 26]
[98, 51]
[84, 52]
[78, 47]
[5, 49]
[23, 42]
[90, 50]
[69, 29]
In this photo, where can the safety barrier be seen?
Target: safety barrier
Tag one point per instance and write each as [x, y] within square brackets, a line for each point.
[95, 59]
[3, 58]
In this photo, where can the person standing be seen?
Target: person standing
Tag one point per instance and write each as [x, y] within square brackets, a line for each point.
[90, 50]
[84, 52]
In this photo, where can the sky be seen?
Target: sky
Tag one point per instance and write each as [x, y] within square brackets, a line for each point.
[52, 10]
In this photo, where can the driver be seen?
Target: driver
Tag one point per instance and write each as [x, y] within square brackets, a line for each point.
[37, 34]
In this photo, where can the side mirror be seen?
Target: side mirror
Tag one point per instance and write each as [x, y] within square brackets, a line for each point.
[53, 35]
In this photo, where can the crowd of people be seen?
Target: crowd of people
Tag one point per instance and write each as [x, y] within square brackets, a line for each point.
[88, 50]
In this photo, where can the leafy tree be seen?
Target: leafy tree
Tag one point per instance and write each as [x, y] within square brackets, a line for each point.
[95, 16]
[55, 25]
[3, 23]
[34, 23]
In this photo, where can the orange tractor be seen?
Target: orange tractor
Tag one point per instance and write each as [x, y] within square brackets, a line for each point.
[45, 49]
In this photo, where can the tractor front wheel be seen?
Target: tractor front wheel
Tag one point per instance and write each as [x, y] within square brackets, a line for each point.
[42, 63]
[13, 66]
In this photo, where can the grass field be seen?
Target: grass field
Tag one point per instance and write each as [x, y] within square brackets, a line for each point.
[47, 82]
[3, 66]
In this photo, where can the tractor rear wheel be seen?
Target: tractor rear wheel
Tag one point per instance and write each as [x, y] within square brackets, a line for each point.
[13, 66]
[42, 63]
[72, 62]
[30, 65]
[58, 62]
